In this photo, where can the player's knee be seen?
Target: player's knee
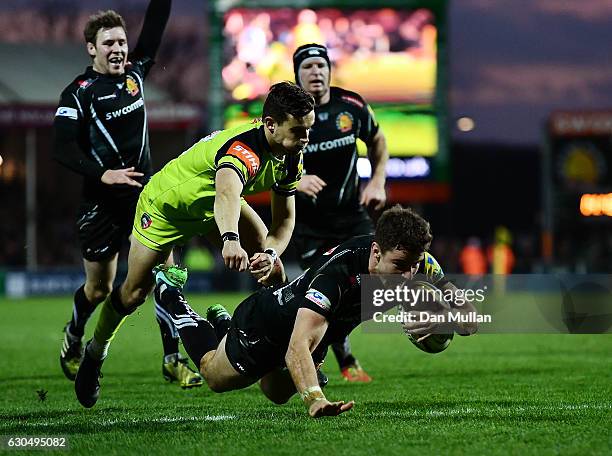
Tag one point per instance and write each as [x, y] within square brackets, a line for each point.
[217, 386]
[134, 298]
[97, 292]
[277, 389]
[278, 399]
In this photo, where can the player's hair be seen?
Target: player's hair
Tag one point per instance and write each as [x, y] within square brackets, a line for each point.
[102, 20]
[402, 228]
[287, 98]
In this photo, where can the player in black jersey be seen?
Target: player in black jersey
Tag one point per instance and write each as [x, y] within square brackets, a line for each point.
[279, 335]
[101, 133]
[329, 208]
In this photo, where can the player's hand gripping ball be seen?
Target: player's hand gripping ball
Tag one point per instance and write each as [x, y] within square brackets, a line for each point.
[426, 333]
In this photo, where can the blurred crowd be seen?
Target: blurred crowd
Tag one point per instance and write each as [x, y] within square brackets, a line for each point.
[259, 44]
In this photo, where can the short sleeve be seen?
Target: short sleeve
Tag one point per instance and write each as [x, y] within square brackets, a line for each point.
[369, 125]
[322, 295]
[69, 111]
[241, 158]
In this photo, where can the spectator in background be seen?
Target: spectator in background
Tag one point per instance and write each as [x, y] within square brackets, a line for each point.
[501, 256]
[472, 258]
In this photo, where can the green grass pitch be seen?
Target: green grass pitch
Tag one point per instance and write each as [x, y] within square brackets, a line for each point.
[487, 394]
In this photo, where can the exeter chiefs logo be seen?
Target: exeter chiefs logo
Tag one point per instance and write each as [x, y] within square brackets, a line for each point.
[344, 121]
[145, 221]
[131, 86]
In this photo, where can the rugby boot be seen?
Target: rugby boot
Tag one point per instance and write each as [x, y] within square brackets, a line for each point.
[87, 381]
[177, 370]
[70, 354]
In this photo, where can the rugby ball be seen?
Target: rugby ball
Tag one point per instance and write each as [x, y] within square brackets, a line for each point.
[431, 343]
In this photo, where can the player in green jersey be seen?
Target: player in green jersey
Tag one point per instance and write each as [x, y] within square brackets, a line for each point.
[200, 193]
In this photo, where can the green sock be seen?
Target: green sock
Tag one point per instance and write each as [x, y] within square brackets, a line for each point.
[108, 324]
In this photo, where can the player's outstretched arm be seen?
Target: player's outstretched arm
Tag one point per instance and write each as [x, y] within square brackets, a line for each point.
[308, 330]
[153, 27]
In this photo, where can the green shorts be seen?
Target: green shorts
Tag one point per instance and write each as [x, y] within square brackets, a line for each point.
[154, 230]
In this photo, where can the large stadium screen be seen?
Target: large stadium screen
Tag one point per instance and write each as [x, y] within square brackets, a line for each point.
[388, 56]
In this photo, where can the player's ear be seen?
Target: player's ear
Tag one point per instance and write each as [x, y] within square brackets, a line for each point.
[376, 251]
[270, 124]
[91, 49]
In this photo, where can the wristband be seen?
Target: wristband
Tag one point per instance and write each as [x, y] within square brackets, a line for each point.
[230, 236]
[311, 395]
[270, 251]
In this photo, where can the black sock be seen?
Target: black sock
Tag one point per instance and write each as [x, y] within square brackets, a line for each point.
[342, 350]
[222, 327]
[169, 334]
[197, 334]
[198, 339]
[81, 312]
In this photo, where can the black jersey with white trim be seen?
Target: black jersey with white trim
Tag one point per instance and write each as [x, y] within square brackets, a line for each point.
[101, 120]
[331, 154]
[108, 117]
[332, 288]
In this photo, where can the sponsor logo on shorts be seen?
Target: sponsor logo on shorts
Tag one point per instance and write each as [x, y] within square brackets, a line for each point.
[64, 111]
[344, 122]
[246, 155]
[131, 86]
[318, 298]
[145, 221]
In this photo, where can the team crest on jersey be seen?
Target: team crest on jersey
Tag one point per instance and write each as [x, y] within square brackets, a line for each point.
[145, 221]
[344, 122]
[131, 86]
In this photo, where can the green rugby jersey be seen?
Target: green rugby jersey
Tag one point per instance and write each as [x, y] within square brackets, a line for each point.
[184, 189]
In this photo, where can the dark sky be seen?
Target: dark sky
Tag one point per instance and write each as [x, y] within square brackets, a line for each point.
[512, 61]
